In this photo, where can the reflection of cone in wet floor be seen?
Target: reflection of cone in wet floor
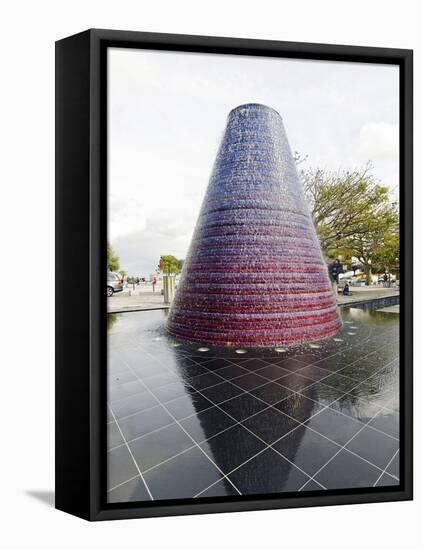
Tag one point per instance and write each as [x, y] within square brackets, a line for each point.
[254, 274]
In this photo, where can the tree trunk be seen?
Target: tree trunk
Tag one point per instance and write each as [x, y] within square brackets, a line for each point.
[368, 272]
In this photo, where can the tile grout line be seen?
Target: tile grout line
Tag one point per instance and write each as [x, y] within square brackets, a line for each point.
[192, 439]
[343, 447]
[272, 406]
[123, 483]
[293, 392]
[318, 433]
[298, 392]
[243, 391]
[177, 378]
[318, 412]
[386, 467]
[132, 456]
[139, 436]
[229, 381]
[255, 435]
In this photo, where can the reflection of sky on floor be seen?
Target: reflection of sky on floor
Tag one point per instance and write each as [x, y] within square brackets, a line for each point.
[187, 420]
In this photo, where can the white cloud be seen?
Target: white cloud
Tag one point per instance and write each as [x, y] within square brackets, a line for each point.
[379, 140]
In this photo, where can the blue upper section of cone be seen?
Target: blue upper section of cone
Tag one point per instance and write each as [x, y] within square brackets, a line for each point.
[254, 107]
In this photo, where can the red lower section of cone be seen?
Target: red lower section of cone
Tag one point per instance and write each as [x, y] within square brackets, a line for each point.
[251, 330]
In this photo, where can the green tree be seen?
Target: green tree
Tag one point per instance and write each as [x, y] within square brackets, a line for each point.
[169, 264]
[123, 273]
[375, 248]
[352, 212]
[113, 263]
[387, 254]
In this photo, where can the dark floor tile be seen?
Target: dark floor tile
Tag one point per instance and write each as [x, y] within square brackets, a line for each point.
[393, 402]
[272, 372]
[335, 426]
[291, 365]
[216, 364]
[160, 445]
[295, 381]
[347, 471]
[340, 382]
[270, 425]
[120, 466]
[207, 424]
[335, 362]
[119, 391]
[222, 488]
[254, 364]
[133, 404]
[131, 491]
[144, 422]
[221, 392]
[311, 485]
[321, 393]
[182, 477]
[386, 480]
[271, 393]
[250, 381]
[160, 380]
[114, 437]
[267, 473]
[233, 371]
[393, 467]
[171, 391]
[191, 371]
[359, 370]
[374, 446]
[204, 381]
[184, 361]
[360, 409]
[314, 373]
[306, 449]
[201, 359]
[153, 359]
[236, 359]
[186, 406]
[388, 422]
[115, 363]
[299, 407]
[231, 448]
[243, 406]
[121, 378]
[383, 386]
[150, 371]
[309, 358]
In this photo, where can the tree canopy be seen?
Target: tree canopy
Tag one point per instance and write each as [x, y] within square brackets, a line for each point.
[169, 264]
[354, 216]
[113, 263]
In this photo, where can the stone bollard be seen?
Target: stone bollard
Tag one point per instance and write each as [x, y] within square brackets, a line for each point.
[168, 288]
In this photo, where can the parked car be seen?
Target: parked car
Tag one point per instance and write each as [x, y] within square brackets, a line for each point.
[114, 283]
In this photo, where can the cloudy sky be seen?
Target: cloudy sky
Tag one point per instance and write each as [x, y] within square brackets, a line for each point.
[167, 114]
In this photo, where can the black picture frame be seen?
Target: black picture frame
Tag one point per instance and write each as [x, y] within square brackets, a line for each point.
[81, 229]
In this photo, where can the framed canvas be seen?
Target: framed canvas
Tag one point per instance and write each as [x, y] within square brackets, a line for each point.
[236, 219]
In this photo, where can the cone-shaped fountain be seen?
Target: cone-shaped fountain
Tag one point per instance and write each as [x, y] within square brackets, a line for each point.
[254, 274]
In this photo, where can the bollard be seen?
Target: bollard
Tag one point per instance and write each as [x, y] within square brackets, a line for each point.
[168, 288]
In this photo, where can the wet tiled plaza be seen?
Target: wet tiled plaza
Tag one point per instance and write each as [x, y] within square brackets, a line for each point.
[193, 421]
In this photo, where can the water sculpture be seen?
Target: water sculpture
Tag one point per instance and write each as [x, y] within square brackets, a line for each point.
[254, 274]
